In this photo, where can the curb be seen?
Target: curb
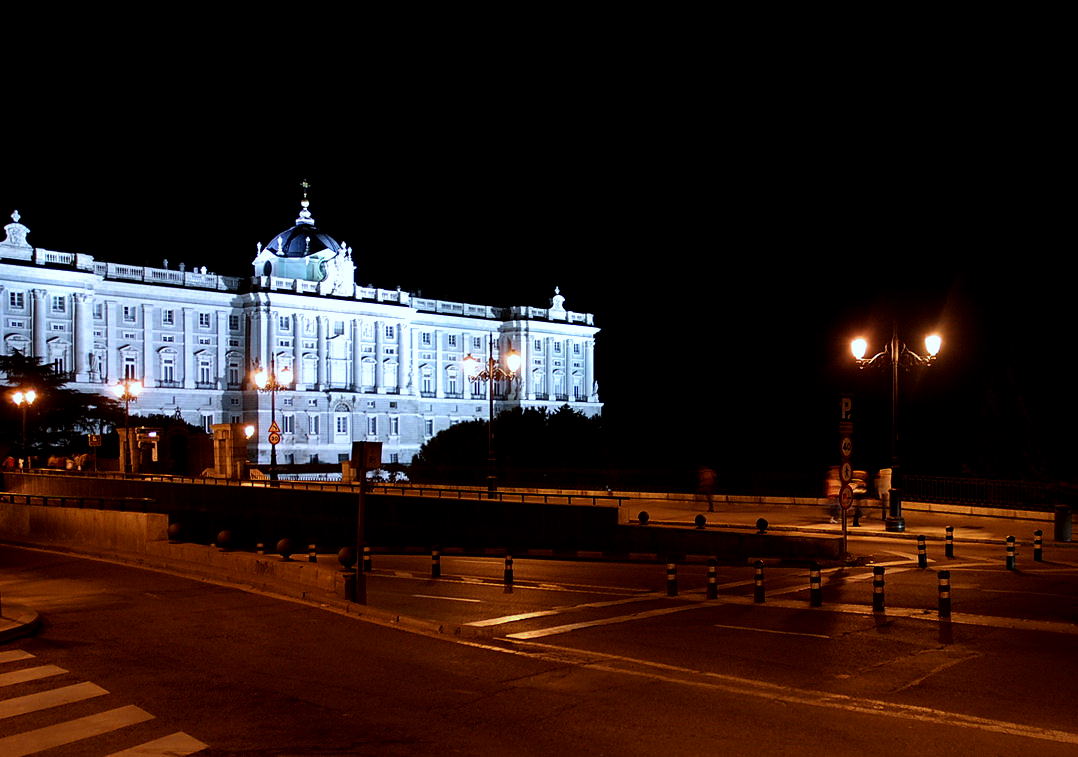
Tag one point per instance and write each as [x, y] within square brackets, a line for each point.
[17, 621]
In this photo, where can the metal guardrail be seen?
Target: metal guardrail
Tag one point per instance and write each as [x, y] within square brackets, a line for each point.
[127, 504]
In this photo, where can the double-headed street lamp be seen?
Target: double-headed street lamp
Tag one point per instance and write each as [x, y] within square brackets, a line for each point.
[273, 381]
[24, 398]
[493, 371]
[127, 391]
[896, 354]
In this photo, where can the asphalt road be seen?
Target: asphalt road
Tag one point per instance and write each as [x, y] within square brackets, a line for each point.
[575, 658]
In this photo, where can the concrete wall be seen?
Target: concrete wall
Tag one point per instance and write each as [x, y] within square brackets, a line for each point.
[100, 529]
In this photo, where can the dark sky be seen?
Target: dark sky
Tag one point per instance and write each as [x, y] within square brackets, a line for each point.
[731, 227]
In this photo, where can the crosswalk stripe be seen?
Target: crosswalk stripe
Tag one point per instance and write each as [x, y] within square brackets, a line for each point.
[29, 674]
[12, 655]
[175, 744]
[51, 736]
[45, 699]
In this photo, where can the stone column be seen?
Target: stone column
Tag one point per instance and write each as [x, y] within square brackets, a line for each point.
[188, 348]
[379, 383]
[149, 372]
[357, 356]
[38, 319]
[297, 348]
[83, 325]
[322, 348]
[589, 371]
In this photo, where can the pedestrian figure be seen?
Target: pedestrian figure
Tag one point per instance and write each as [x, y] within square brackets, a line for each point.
[706, 487]
[832, 486]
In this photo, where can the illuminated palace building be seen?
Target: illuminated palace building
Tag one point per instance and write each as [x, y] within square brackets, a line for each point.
[367, 363]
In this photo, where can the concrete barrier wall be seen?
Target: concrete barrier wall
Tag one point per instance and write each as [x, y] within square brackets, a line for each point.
[101, 529]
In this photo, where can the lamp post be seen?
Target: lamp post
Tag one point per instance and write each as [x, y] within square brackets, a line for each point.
[895, 355]
[24, 398]
[127, 391]
[474, 370]
[273, 381]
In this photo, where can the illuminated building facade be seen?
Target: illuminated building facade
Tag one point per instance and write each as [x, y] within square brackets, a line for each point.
[369, 363]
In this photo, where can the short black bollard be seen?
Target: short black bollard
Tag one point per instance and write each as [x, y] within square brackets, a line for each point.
[671, 579]
[1010, 553]
[366, 559]
[224, 540]
[712, 579]
[435, 563]
[507, 575]
[312, 553]
[260, 548]
[1038, 547]
[815, 586]
[758, 588]
[346, 556]
[643, 517]
[700, 521]
[877, 589]
[761, 525]
[948, 547]
[922, 553]
[945, 593]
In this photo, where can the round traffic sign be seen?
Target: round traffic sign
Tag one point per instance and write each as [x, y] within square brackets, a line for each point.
[845, 497]
[846, 473]
[846, 446]
[274, 438]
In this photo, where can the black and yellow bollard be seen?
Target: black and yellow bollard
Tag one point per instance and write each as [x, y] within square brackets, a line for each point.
[922, 553]
[877, 589]
[712, 579]
[260, 548]
[948, 547]
[815, 586]
[758, 589]
[312, 553]
[671, 579]
[435, 563]
[1010, 553]
[1038, 546]
[507, 574]
[366, 559]
[945, 593]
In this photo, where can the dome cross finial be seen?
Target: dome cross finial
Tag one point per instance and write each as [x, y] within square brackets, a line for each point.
[305, 213]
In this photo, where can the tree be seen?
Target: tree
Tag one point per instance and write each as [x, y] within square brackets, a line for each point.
[531, 446]
[60, 418]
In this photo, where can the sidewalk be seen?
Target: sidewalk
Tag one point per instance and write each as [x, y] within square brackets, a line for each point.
[816, 519]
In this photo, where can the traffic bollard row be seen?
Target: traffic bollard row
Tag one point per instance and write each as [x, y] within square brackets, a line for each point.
[671, 579]
[922, 553]
[945, 593]
[815, 587]
[877, 588]
[948, 549]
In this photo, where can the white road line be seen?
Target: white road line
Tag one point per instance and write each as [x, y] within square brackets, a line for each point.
[70, 731]
[29, 674]
[450, 599]
[11, 655]
[768, 630]
[776, 692]
[559, 610]
[603, 622]
[43, 700]
[175, 744]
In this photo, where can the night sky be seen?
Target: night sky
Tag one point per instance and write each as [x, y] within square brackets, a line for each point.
[729, 235]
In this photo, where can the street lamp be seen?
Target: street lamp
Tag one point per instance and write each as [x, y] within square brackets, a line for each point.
[474, 370]
[895, 354]
[271, 381]
[23, 398]
[127, 391]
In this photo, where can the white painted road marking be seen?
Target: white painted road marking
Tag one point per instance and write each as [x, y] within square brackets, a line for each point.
[176, 745]
[29, 674]
[69, 731]
[46, 699]
[768, 630]
[603, 622]
[11, 655]
[450, 599]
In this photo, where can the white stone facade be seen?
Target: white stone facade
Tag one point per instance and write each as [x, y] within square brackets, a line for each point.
[369, 364]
